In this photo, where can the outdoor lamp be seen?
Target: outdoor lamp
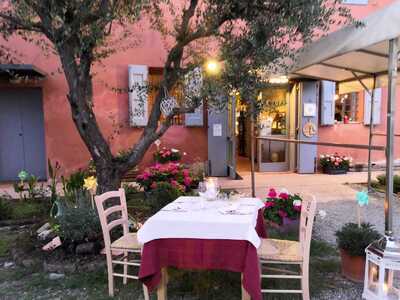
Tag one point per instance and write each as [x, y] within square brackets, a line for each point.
[382, 273]
[213, 67]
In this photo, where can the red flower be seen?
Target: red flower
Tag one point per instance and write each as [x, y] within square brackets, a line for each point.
[187, 181]
[284, 196]
[269, 204]
[272, 193]
[186, 172]
[282, 213]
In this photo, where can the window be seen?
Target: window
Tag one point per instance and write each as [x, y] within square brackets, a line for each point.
[347, 108]
[360, 2]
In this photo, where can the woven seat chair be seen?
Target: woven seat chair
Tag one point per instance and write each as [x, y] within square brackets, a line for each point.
[117, 252]
[284, 252]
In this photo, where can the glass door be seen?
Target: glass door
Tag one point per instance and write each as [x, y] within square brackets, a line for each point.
[273, 122]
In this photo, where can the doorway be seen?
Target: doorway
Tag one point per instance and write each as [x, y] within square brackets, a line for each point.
[22, 145]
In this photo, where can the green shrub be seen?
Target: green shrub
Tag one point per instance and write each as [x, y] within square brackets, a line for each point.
[78, 225]
[5, 209]
[396, 182]
[354, 239]
[163, 194]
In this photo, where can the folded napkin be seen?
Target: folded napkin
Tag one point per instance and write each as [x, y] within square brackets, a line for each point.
[175, 207]
[235, 209]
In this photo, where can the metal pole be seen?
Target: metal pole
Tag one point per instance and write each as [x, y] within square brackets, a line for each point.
[371, 128]
[391, 106]
[252, 111]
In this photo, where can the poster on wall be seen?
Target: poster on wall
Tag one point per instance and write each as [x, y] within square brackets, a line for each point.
[310, 110]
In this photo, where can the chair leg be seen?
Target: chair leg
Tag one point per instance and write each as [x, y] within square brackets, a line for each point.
[125, 279]
[305, 283]
[146, 293]
[110, 276]
[245, 294]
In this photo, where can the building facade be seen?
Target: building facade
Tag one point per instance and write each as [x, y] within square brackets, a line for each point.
[36, 123]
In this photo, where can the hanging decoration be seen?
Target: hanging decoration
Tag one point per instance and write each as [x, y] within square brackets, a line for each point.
[168, 104]
[362, 200]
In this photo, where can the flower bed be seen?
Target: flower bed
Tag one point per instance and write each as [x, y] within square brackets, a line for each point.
[334, 163]
[165, 155]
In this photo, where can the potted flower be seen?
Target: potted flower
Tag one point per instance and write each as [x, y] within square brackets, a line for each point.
[334, 163]
[352, 240]
[165, 155]
[282, 210]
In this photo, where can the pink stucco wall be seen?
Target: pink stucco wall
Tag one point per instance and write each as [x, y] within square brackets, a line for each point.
[64, 144]
[358, 133]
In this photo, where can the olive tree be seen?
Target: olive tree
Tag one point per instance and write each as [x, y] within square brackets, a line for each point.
[80, 32]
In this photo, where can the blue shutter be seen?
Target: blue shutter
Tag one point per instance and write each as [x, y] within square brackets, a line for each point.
[138, 97]
[328, 90]
[377, 107]
[193, 84]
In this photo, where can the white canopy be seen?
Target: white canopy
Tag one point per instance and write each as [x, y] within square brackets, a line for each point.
[352, 52]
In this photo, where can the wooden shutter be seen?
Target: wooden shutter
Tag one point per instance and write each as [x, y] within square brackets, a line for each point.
[138, 95]
[377, 107]
[328, 90]
[192, 88]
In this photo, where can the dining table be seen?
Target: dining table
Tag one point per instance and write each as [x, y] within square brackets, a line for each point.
[195, 234]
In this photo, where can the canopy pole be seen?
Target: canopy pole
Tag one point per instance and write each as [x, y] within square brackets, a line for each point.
[252, 111]
[391, 106]
[371, 128]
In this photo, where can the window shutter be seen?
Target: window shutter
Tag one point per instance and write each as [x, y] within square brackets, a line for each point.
[328, 90]
[377, 107]
[138, 95]
[192, 88]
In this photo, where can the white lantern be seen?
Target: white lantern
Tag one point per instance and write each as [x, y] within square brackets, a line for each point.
[382, 272]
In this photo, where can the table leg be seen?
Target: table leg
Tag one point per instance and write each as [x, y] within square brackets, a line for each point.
[245, 295]
[162, 287]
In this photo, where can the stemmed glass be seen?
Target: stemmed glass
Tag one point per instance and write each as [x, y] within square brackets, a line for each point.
[202, 188]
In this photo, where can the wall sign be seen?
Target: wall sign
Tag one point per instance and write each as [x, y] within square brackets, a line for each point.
[217, 129]
[310, 110]
[309, 129]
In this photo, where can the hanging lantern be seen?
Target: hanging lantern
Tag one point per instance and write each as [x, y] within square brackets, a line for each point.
[382, 271]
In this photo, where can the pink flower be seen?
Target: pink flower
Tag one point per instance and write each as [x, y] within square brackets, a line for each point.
[153, 185]
[284, 196]
[282, 213]
[187, 181]
[174, 183]
[186, 172]
[269, 204]
[336, 163]
[297, 208]
[272, 193]
[146, 175]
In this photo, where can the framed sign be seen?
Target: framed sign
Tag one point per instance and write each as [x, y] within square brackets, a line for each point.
[310, 110]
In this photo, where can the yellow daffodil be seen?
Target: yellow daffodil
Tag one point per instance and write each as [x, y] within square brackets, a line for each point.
[90, 183]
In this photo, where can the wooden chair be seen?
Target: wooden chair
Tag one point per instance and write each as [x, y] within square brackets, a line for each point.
[273, 251]
[117, 251]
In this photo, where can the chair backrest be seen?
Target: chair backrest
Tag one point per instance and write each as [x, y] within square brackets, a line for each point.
[104, 214]
[308, 209]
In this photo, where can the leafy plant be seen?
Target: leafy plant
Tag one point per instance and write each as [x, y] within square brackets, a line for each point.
[174, 174]
[165, 155]
[78, 225]
[53, 173]
[282, 205]
[354, 239]
[163, 194]
[74, 184]
[28, 187]
[334, 161]
[5, 209]
[396, 182]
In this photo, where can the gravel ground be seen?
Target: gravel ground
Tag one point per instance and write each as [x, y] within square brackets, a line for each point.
[341, 211]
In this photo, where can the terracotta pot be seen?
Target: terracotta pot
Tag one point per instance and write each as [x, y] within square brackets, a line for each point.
[353, 267]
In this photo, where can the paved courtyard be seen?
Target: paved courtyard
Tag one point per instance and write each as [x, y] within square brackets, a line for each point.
[335, 195]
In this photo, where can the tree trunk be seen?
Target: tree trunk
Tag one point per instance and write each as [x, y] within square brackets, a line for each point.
[108, 178]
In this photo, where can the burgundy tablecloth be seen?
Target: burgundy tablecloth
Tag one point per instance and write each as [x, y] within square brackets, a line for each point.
[203, 254]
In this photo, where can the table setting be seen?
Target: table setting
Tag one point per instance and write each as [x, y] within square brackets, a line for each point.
[212, 231]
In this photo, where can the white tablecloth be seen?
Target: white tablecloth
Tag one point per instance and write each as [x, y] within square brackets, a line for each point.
[208, 222]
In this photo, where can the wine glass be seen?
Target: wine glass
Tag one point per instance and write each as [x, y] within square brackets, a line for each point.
[202, 189]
